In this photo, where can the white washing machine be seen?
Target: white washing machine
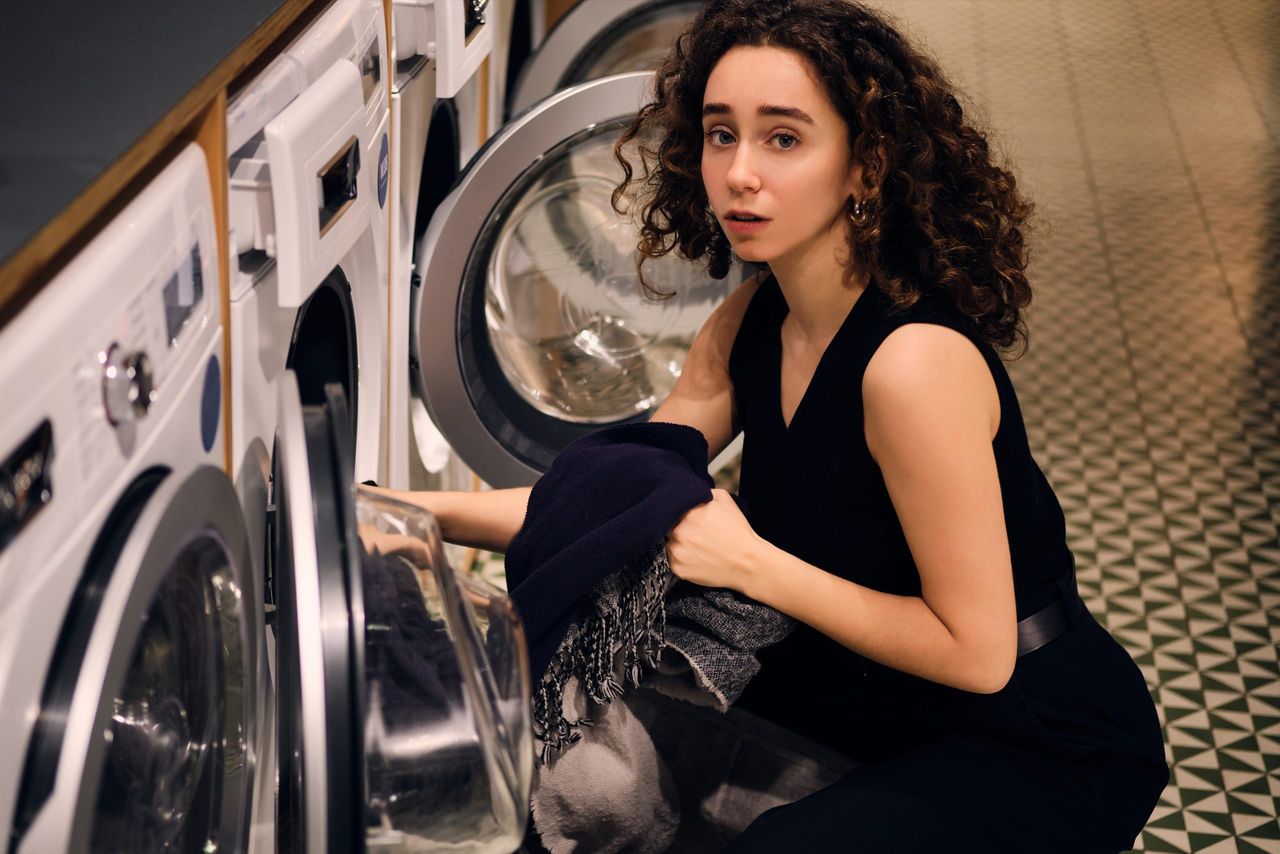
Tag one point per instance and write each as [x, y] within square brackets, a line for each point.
[309, 201]
[130, 671]
[504, 16]
[404, 687]
[430, 73]
[530, 328]
[470, 83]
[597, 38]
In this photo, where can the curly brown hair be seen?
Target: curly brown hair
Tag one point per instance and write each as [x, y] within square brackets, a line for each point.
[941, 218]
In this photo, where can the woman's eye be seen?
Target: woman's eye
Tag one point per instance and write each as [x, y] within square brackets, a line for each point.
[786, 136]
[715, 135]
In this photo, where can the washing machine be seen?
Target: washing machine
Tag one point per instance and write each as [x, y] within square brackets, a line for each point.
[530, 327]
[309, 207]
[597, 38]
[431, 129]
[478, 116]
[404, 687]
[130, 667]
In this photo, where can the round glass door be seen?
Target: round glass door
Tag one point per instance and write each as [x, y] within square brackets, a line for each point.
[531, 325]
[146, 735]
[553, 276]
[177, 743]
[447, 732]
[404, 686]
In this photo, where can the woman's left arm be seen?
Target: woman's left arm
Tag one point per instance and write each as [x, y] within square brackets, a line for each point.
[931, 411]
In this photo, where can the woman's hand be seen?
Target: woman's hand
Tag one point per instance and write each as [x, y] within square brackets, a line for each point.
[714, 546]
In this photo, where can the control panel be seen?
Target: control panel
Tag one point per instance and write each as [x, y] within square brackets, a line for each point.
[121, 376]
[25, 486]
[97, 368]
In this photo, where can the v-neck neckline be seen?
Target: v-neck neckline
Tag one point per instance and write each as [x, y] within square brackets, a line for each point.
[776, 382]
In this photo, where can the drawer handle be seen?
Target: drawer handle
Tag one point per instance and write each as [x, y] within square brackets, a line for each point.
[338, 188]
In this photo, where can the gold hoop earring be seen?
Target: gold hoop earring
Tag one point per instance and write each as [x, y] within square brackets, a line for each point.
[858, 215]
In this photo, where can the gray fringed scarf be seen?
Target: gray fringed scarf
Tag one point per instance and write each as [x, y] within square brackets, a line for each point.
[626, 611]
[635, 614]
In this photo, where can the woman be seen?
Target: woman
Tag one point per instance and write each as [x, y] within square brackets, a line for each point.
[896, 510]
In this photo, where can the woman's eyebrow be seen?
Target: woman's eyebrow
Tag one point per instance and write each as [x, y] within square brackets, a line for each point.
[786, 112]
[715, 108]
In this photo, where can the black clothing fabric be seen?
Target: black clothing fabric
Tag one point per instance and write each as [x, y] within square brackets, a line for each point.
[589, 571]
[411, 672]
[1070, 751]
[578, 530]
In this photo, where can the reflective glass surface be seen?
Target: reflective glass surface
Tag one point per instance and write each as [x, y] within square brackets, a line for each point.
[571, 327]
[177, 757]
[447, 738]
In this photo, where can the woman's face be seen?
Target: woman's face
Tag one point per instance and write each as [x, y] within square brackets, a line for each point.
[774, 146]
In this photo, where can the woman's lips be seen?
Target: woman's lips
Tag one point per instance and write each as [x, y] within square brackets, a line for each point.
[738, 226]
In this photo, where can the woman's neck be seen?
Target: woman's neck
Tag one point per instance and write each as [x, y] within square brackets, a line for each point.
[820, 288]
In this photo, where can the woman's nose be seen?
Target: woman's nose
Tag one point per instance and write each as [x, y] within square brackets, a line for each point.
[742, 175]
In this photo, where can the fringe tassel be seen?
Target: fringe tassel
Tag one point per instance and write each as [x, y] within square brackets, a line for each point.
[627, 611]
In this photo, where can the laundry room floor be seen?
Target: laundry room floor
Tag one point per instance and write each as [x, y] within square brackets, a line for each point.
[1147, 133]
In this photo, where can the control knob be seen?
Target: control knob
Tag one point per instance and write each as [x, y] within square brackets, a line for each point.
[128, 385]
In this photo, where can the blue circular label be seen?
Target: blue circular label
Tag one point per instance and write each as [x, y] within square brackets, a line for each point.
[210, 403]
[384, 171]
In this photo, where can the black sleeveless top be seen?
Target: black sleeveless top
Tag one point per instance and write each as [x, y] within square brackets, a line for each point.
[814, 490]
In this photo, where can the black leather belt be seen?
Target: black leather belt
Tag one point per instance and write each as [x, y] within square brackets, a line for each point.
[1055, 618]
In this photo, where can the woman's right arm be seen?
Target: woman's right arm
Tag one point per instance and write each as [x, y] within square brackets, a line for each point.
[702, 398]
[703, 395]
[487, 519]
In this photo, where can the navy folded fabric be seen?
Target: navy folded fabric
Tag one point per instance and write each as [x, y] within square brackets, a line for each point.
[606, 500]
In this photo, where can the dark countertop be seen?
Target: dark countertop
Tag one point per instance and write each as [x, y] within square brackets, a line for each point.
[81, 83]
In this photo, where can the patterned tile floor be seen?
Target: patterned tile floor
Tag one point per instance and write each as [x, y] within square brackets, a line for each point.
[1147, 134]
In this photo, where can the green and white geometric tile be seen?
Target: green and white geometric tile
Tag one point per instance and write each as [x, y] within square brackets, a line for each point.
[1151, 390]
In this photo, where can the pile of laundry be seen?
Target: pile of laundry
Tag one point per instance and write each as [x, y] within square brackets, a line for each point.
[604, 615]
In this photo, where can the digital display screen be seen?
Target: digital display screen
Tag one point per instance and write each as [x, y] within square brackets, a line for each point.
[182, 293]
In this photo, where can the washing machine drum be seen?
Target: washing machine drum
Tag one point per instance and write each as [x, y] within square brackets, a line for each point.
[532, 328]
[403, 686]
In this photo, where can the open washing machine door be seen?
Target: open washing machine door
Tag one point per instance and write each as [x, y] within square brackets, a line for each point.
[597, 38]
[530, 326]
[146, 734]
[403, 689]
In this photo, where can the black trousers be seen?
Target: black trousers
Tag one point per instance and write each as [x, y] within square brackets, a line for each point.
[1068, 757]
